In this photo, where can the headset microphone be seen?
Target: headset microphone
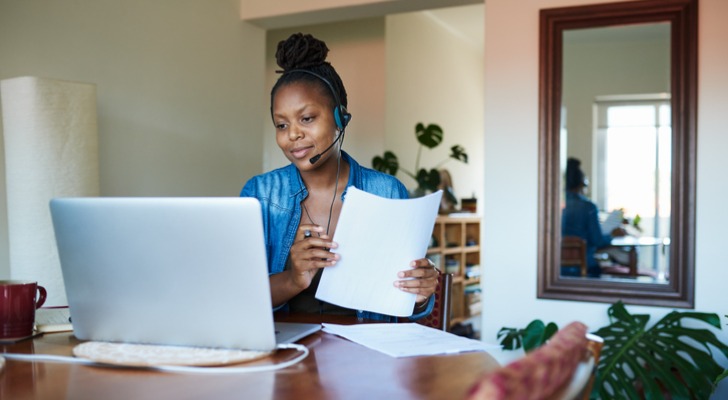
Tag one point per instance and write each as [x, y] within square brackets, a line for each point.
[315, 158]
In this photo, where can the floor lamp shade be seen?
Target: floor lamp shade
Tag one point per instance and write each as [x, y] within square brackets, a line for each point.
[51, 150]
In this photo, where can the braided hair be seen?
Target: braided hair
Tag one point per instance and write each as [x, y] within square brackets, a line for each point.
[574, 174]
[305, 52]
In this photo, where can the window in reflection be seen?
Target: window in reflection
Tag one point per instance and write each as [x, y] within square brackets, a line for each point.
[634, 171]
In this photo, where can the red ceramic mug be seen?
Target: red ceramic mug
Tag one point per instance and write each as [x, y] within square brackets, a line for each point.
[18, 302]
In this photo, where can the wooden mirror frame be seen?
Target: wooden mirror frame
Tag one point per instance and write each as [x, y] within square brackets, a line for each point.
[682, 15]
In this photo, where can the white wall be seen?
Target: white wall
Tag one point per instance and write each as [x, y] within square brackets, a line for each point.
[511, 169]
[179, 85]
[434, 75]
[597, 68]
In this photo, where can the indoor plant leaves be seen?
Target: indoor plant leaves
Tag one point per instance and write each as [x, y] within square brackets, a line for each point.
[428, 136]
[428, 180]
[669, 357]
[388, 163]
[530, 338]
[458, 152]
[636, 362]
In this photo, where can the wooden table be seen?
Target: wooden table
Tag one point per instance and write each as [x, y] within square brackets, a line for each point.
[335, 369]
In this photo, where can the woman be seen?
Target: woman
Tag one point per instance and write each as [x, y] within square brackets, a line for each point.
[581, 218]
[302, 202]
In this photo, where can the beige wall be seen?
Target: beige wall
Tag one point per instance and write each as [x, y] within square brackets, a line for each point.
[509, 251]
[434, 75]
[276, 14]
[179, 86]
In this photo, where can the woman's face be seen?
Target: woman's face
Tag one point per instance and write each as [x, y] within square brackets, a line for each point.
[304, 123]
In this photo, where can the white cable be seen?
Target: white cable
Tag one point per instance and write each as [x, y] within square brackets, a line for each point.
[47, 358]
[170, 368]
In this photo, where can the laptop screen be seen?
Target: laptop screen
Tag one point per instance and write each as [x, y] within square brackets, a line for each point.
[176, 271]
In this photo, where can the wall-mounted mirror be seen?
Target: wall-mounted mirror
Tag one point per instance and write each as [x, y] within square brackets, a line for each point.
[618, 94]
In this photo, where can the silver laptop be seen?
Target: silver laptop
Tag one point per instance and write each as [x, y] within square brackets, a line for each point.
[174, 271]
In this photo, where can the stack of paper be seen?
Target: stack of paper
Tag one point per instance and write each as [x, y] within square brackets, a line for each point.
[407, 339]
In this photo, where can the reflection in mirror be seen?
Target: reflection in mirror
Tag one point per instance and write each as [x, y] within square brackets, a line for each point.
[615, 119]
[617, 100]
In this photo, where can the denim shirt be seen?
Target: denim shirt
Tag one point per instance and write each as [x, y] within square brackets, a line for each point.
[580, 218]
[281, 192]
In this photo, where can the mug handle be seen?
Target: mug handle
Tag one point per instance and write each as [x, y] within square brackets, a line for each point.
[41, 297]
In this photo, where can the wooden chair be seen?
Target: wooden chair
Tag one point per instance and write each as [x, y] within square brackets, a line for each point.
[440, 316]
[563, 368]
[594, 351]
[573, 253]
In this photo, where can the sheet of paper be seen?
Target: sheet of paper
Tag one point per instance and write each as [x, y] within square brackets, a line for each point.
[377, 238]
[407, 339]
[613, 220]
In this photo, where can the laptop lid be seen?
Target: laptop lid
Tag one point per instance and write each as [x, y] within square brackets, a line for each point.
[174, 271]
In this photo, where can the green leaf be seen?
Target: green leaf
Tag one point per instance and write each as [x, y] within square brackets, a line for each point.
[668, 357]
[388, 163]
[721, 377]
[533, 335]
[511, 338]
[530, 338]
[429, 136]
[428, 180]
[458, 152]
[551, 328]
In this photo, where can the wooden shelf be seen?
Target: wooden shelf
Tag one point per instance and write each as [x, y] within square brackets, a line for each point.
[456, 249]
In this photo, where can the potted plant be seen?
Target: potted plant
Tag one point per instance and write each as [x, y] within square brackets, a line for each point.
[637, 362]
[429, 136]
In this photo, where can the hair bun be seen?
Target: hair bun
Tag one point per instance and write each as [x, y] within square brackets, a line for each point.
[573, 163]
[574, 174]
[300, 51]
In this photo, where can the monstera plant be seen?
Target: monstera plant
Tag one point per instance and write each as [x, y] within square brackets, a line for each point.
[640, 362]
[429, 136]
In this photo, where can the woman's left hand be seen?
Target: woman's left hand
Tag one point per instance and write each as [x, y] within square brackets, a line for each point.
[420, 280]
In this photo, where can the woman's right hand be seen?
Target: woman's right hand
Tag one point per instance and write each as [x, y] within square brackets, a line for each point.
[309, 253]
[618, 232]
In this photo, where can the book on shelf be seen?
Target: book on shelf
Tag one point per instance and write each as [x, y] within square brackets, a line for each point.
[472, 271]
[53, 319]
[474, 308]
[462, 214]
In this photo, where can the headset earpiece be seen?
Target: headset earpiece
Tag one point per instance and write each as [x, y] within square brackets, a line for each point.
[341, 117]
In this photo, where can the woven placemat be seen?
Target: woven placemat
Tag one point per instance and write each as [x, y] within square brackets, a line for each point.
[147, 355]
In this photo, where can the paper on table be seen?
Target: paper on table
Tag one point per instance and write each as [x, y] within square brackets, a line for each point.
[407, 339]
[377, 238]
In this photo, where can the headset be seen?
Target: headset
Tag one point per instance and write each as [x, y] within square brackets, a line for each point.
[341, 118]
[341, 115]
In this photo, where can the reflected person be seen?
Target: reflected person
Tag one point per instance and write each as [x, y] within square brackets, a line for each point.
[580, 217]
